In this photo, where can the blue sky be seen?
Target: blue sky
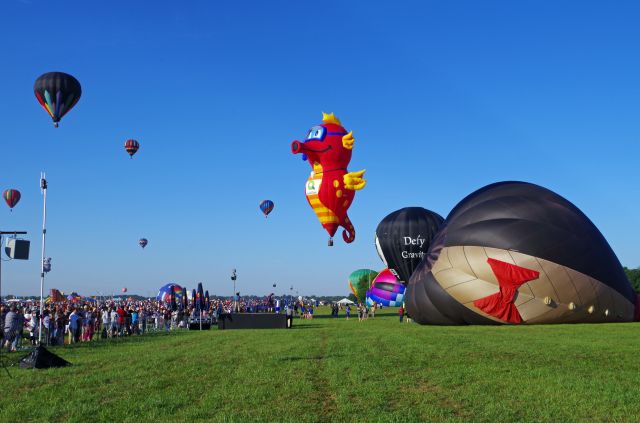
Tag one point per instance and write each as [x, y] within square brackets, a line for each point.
[443, 98]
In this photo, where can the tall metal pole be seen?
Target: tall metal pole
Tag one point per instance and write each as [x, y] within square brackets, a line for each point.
[43, 188]
[1, 276]
[233, 278]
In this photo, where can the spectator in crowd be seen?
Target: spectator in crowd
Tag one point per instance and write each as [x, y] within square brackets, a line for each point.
[74, 327]
[10, 328]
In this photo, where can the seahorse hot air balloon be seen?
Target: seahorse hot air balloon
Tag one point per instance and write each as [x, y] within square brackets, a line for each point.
[330, 188]
[57, 93]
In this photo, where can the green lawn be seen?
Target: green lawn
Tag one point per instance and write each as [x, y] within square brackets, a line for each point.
[337, 370]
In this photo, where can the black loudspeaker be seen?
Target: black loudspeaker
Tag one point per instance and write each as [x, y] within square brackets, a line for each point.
[253, 321]
[41, 358]
[17, 249]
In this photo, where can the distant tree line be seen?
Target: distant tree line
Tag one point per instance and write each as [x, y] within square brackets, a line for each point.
[634, 277]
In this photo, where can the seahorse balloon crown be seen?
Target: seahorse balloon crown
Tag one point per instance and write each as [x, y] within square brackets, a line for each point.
[330, 188]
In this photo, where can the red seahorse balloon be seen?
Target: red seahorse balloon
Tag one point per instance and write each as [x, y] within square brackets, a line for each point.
[330, 188]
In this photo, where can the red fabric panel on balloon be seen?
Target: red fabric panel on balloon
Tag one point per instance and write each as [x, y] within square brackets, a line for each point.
[510, 277]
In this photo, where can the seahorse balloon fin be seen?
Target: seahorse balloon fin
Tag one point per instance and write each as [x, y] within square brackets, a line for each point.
[354, 180]
[348, 140]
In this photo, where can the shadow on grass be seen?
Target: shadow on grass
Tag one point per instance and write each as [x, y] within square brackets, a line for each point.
[312, 358]
[312, 326]
[354, 313]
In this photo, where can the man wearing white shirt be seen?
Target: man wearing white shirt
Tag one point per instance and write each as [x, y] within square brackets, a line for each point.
[106, 322]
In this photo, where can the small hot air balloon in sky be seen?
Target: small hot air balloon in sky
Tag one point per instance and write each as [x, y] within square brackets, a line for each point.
[124, 289]
[330, 188]
[132, 147]
[11, 196]
[266, 206]
[143, 242]
[57, 93]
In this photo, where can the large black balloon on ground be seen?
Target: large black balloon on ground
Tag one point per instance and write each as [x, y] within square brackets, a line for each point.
[403, 238]
[514, 252]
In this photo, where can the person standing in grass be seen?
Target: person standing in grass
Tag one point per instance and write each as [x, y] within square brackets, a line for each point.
[348, 311]
[401, 312]
[142, 316]
[115, 327]
[134, 322]
[87, 325]
[60, 323]
[167, 319]
[10, 327]
[122, 320]
[106, 322]
[73, 327]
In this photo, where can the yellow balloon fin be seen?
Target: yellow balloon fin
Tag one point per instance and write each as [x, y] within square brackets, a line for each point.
[348, 140]
[354, 180]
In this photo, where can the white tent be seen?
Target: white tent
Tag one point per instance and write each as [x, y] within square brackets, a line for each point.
[345, 301]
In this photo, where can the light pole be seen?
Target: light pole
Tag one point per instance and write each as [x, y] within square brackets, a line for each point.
[234, 276]
[43, 189]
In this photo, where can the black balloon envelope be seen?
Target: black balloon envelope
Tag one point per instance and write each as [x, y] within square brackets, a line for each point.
[57, 93]
[403, 239]
[515, 252]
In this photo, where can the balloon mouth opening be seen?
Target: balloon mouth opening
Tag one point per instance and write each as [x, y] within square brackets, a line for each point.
[296, 147]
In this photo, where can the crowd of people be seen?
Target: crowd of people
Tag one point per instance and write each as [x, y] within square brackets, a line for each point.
[69, 323]
[90, 320]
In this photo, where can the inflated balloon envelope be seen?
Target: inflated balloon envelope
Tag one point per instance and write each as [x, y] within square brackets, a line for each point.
[359, 282]
[515, 252]
[330, 188]
[57, 93]
[386, 290]
[403, 238]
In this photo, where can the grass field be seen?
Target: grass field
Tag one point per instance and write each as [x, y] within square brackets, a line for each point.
[336, 370]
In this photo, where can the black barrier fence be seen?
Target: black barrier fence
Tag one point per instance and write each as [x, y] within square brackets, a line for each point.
[254, 321]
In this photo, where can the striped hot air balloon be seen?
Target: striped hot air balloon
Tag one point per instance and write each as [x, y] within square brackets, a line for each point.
[266, 206]
[11, 196]
[132, 147]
